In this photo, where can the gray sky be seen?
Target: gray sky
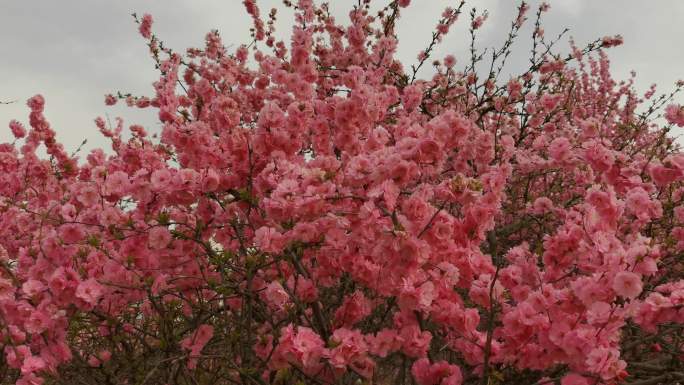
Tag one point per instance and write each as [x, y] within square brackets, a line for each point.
[74, 52]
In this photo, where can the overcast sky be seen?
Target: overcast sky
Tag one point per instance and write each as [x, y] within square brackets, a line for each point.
[74, 52]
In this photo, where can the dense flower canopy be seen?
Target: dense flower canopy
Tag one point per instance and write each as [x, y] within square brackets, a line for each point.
[315, 212]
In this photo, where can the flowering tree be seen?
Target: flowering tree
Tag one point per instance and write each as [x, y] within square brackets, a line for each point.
[315, 213]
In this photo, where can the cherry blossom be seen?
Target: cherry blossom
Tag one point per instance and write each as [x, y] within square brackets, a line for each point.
[316, 211]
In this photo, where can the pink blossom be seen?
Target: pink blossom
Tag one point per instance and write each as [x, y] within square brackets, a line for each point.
[612, 41]
[90, 291]
[36, 103]
[304, 288]
[549, 101]
[574, 379]
[627, 284]
[38, 322]
[146, 26]
[210, 181]
[110, 100]
[411, 97]
[17, 128]
[438, 373]
[599, 312]
[309, 347]
[478, 21]
[94, 361]
[340, 209]
[160, 179]
[117, 183]
[71, 233]
[104, 355]
[16, 334]
[32, 364]
[276, 295]
[514, 87]
[674, 114]
[268, 240]
[303, 347]
[109, 216]
[350, 348]
[416, 342]
[159, 237]
[196, 342]
[32, 287]
[640, 203]
[354, 309]
[559, 149]
[384, 342]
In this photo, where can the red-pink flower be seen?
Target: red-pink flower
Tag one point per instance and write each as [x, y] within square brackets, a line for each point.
[196, 342]
[301, 346]
[268, 239]
[159, 237]
[384, 342]
[210, 181]
[559, 149]
[17, 128]
[160, 179]
[145, 27]
[90, 291]
[38, 321]
[612, 41]
[71, 233]
[354, 309]
[88, 195]
[32, 364]
[627, 284]
[110, 100]
[32, 287]
[438, 373]
[574, 379]
[117, 183]
[378, 209]
[275, 295]
[674, 114]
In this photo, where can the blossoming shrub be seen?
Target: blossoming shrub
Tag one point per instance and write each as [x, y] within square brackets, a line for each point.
[314, 212]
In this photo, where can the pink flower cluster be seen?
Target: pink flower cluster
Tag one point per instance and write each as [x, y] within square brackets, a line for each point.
[314, 212]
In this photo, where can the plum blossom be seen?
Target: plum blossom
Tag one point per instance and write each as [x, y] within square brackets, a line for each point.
[303, 347]
[160, 179]
[196, 342]
[159, 237]
[315, 210]
[146, 26]
[627, 284]
[90, 291]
